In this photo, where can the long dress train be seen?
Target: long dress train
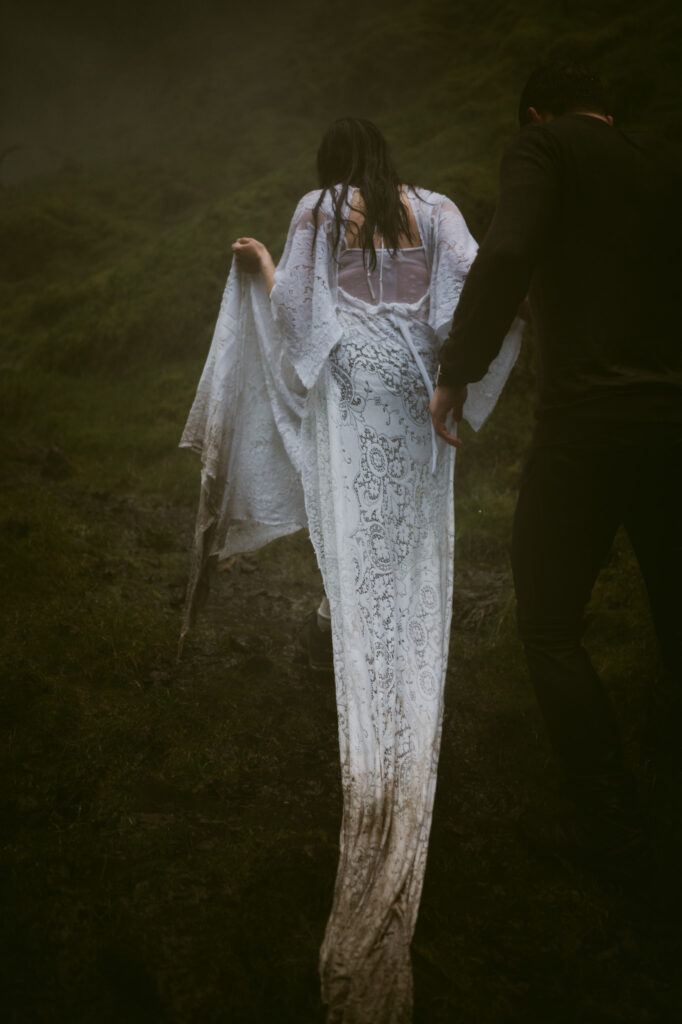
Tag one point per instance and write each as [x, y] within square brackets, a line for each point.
[313, 410]
[382, 524]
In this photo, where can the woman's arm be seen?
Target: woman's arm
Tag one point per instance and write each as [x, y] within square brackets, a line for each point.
[253, 257]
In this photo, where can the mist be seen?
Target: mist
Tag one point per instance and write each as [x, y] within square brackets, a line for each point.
[171, 828]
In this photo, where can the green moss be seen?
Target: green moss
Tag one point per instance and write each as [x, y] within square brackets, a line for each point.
[170, 828]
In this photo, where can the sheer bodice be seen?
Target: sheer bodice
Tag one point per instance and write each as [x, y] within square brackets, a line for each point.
[398, 278]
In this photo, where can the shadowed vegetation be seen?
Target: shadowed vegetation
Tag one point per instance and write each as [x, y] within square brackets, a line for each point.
[170, 830]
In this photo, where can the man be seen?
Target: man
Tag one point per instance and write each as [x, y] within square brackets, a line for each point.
[588, 224]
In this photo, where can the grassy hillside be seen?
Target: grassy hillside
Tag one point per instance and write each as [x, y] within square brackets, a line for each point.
[170, 830]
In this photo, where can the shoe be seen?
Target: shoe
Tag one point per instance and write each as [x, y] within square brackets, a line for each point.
[315, 645]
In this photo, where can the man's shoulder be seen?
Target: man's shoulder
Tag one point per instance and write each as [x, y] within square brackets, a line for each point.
[562, 132]
[584, 137]
[576, 137]
[590, 131]
[663, 151]
[534, 142]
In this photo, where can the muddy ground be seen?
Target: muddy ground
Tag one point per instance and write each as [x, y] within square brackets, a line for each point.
[170, 829]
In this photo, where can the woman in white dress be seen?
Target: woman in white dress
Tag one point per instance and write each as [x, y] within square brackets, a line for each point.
[337, 437]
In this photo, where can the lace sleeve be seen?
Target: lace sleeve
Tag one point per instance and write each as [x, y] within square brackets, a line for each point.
[210, 424]
[303, 298]
[454, 250]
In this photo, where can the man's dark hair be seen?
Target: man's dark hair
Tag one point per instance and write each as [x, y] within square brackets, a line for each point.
[562, 89]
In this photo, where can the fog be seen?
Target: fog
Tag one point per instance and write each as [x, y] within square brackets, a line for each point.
[81, 84]
[170, 828]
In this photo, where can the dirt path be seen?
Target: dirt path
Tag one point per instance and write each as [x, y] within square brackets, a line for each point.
[171, 829]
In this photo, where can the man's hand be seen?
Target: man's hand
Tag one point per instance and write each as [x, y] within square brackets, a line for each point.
[447, 400]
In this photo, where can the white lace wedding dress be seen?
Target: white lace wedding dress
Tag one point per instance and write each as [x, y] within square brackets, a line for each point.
[343, 359]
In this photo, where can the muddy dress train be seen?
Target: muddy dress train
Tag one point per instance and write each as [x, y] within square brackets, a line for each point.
[312, 412]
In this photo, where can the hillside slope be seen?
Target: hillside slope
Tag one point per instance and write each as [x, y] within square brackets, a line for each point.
[170, 829]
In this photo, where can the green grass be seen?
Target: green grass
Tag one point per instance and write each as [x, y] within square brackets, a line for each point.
[170, 829]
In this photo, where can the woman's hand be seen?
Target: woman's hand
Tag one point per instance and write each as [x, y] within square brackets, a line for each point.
[248, 253]
[253, 257]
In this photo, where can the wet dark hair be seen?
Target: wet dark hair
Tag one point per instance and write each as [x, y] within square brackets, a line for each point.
[562, 89]
[355, 155]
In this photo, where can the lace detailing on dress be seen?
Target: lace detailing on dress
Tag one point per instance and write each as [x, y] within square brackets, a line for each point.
[245, 424]
[383, 528]
[453, 249]
[328, 401]
[304, 294]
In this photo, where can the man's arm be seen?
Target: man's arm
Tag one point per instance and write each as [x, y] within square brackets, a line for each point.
[500, 276]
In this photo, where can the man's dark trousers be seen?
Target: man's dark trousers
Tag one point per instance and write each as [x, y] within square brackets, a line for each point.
[580, 483]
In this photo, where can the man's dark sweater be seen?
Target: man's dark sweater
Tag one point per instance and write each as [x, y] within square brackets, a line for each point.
[587, 223]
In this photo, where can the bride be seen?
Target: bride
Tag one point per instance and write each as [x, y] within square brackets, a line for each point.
[312, 411]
